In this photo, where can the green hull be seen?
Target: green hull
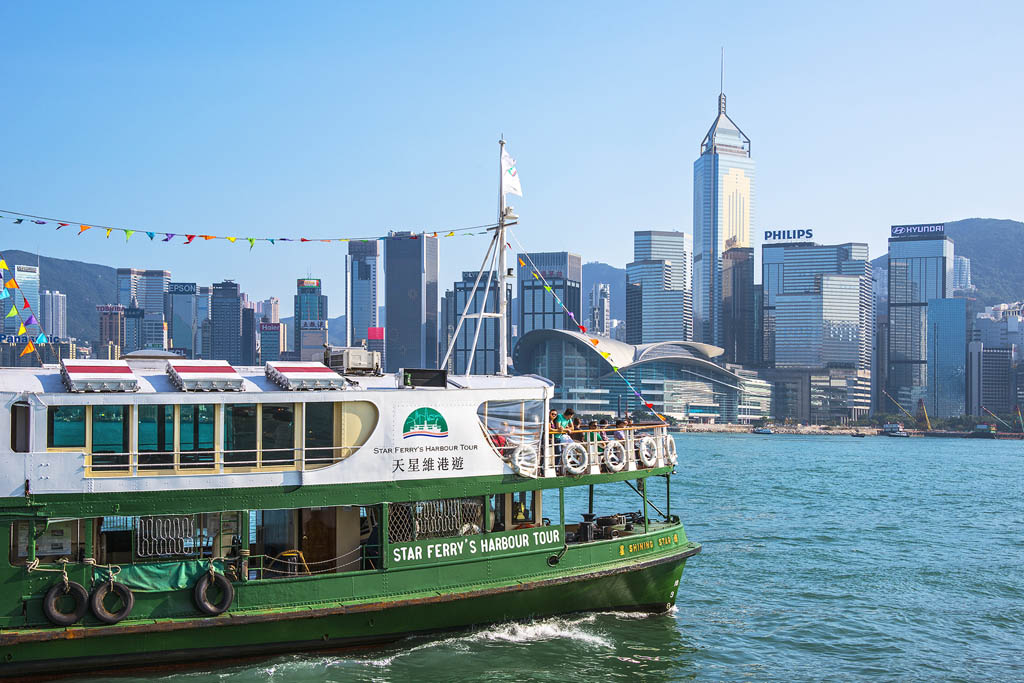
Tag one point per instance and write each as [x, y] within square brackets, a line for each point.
[646, 583]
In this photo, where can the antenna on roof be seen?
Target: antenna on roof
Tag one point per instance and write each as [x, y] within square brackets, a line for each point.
[721, 86]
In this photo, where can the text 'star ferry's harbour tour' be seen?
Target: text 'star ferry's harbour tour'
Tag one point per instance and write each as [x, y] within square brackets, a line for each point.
[164, 510]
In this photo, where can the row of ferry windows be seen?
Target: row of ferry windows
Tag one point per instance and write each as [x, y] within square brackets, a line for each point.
[261, 434]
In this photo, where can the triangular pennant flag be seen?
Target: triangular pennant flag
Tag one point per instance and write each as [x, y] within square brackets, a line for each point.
[547, 287]
[414, 237]
[303, 239]
[84, 228]
[150, 235]
[127, 234]
[31, 320]
[270, 240]
[62, 225]
[29, 348]
[594, 342]
[571, 315]
[615, 368]
[535, 276]
[39, 222]
[170, 236]
[4, 294]
[11, 284]
[650, 406]
[583, 329]
[252, 242]
[230, 239]
[19, 220]
[21, 329]
[11, 313]
[3, 265]
[434, 235]
[24, 305]
[189, 238]
[208, 237]
[451, 234]
[109, 230]
[522, 263]
[606, 355]
[41, 339]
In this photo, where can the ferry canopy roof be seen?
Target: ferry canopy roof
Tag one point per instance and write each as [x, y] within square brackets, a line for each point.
[204, 375]
[98, 375]
[298, 375]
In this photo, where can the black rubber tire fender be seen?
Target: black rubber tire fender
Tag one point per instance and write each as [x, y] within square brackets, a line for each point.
[100, 610]
[203, 602]
[53, 596]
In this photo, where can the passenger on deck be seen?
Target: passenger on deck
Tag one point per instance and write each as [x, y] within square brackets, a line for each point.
[593, 435]
[620, 430]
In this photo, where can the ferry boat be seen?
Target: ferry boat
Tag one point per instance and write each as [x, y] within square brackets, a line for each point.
[165, 510]
[763, 430]
[894, 429]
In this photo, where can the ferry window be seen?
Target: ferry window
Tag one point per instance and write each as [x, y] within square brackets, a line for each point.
[319, 433]
[59, 539]
[65, 427]
[523, 511]
[156, 436]
[442, 518]
[510, 424]
[20, 420]
[196, 436]
[278, 433]
[240, 435]
[110, 435]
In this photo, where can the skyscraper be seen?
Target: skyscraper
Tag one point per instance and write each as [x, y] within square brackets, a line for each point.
[486, 355]
[920, 269]
[184, 324]
[563, 272]
[27, 278]
[658, 295]
[147, 287]
[310, 319]
[817, 305]
[738, 313]
[599, 305]
[270, 341]
[250, 337]
[723, 210]
[54, 307]
[947, 356]
[226, 317]
[962, 273]
[363, 281]
[411, 264]
[111, 325]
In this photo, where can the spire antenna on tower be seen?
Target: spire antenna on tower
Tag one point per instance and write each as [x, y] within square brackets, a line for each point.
[721, 80]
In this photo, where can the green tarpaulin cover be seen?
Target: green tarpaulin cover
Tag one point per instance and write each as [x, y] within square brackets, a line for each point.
[160, 576]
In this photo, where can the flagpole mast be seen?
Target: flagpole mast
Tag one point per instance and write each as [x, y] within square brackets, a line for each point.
[502, 302]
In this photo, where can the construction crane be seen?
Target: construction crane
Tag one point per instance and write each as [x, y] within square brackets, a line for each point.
[1008, 425]
[1019, 418]
[924, 411]
[905, 411]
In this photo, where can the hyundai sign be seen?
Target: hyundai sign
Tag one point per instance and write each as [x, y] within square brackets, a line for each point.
[913, 230]
[788, 235]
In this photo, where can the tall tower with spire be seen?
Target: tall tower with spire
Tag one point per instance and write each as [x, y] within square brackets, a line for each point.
[723, 210]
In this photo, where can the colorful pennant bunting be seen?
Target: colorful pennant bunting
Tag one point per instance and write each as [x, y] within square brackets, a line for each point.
[29, 348]
[21, 328]
[11, 313]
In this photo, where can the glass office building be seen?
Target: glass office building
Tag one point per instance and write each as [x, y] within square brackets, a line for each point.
[658, 287]
[27, 278]
[225, 341]
[739, 323]
[363, 294]
[817, 307]
[310, 314]
[678, 378]
[486, 355]
[947, 357]
[563, 272]
[723, 210]
[411, 297]
[182, 305]
[920, 269]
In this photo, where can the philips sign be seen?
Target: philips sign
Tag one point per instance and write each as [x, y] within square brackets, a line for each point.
[908, 230]
[788, 235]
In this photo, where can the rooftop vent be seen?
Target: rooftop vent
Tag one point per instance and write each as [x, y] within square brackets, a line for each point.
[295, 375]
[204, 375]
[98, 375]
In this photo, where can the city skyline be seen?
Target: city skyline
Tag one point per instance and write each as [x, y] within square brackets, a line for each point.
[792, 100]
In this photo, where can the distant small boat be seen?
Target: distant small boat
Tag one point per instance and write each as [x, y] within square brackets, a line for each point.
[858, 435]
[763, 430]
[894, 429]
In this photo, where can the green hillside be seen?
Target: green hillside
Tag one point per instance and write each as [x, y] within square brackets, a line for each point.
[86, 285]
[996, 249]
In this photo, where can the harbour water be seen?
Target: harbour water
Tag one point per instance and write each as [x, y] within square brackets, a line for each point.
[824, 558]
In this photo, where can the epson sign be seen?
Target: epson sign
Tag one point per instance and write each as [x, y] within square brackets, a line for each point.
[181, 288]
[908, 230]
[788, 235]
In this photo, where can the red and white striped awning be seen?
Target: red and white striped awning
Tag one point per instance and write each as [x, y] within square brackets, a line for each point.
[98, 375]
[204, 375]
[296, 375]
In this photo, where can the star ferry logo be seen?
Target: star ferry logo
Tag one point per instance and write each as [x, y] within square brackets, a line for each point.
[425, 422]
[512, 170]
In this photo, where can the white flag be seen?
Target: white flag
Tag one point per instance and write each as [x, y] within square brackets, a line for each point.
[509, 175]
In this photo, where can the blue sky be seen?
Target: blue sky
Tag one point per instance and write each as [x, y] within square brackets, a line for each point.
[330, 119]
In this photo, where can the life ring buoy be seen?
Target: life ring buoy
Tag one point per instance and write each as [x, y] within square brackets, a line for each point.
[524, 460]
[468, 529]
[575, 458]
[51, 603]
[670, 449]
[204, 603]
[648, 451]
[100, 610]
[615, 456]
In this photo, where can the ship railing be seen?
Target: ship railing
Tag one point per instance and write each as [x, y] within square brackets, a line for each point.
[292, 563]
[214, 461]
[608, 449]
